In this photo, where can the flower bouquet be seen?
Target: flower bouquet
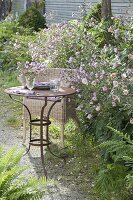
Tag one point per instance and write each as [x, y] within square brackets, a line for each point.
[28, 72]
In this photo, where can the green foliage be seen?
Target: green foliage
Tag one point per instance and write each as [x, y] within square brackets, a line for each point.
[62, 39]
[39, 5]
[95, 13]
[115, 177]
[70, 127]
[103, 58]
[7, 29]
[13, 184]
[102, 54]
[32, 18]
[54, 130]
[7, 80]
[10, 28]
[100, 70]
[13, 52]
[81, 161]
[111, 182]
[13, 44]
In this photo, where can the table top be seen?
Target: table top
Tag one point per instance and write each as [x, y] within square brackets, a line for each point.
[21, 91]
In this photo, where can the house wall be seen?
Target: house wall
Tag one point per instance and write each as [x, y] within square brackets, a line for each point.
[18, 6]
[64, 10]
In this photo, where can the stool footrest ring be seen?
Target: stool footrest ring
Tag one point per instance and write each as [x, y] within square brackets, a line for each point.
[45, 142]
[37, 122]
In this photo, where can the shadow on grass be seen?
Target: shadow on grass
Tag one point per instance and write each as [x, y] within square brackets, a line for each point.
[76, 176]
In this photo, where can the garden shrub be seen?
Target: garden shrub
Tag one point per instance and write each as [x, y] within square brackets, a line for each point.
[104, 70]
[95, 13]
[107, 79]
[57, 45]
[104, 66]
[39, 5]
[13, 44]
[32, 18]
[10, 28]
[7, 29]
[104, 75]
[13, 51]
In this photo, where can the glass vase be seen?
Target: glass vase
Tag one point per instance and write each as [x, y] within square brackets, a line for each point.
[22, 80]
[30, 81]
[54, 85]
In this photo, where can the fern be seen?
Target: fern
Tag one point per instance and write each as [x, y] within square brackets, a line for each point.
[119, 146]
[122, 135]
[110, 180]
[115, 178]
[129, 180]
[13, 185]
[10, 159]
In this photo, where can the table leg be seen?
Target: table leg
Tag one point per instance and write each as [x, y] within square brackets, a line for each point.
[41, 137]
[43, 162]
[41, 132]
[47, 133]
[29, 117]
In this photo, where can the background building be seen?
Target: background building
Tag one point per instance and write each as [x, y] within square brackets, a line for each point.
[64, 10]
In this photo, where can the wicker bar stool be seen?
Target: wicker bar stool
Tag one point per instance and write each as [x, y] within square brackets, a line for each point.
[61, 112]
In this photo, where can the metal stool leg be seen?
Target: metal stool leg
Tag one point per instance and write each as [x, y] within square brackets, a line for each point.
[24, 130]
[62, 134]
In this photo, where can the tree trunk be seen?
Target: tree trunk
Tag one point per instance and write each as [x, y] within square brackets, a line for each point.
[106, 9]
[36, 4]
[5, 8]
[28, 3]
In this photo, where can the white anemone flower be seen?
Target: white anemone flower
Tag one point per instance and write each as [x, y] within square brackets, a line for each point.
[125, 92]
[98, 108]
[84, 81]
[115, 84]
[89, 116]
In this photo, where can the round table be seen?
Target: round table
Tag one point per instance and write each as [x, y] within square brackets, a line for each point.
[46, 95]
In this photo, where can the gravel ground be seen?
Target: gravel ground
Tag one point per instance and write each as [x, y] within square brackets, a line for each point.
[60, 187]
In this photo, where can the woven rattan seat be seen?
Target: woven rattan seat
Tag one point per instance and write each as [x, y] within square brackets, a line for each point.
[61, 112]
